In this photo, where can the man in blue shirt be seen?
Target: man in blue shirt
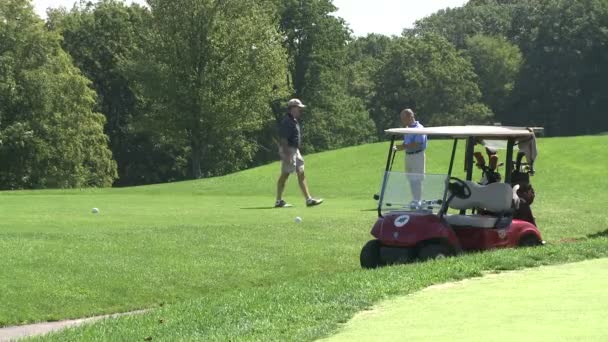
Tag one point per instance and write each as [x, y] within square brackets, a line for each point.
[415, 158]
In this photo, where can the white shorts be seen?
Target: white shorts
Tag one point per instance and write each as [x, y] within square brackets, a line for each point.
[294, 162]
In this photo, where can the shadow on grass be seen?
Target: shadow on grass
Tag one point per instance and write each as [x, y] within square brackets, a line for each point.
[266, 208]
[597, 235]
[259, 208]
[601, 234]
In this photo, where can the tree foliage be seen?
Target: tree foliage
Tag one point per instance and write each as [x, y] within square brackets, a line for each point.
[562, 85]
[428, 74]
[458, 24]
[563, 46]
[50, 136]
[497, 63]
[101, 37]
[365, 55]
[217, 65]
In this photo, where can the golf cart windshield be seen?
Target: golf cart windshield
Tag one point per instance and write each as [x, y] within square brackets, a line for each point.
[412, 191]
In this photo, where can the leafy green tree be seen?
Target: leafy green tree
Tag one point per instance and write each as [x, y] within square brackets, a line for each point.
[562, 83]
[50, 135]
[216, 67]
[101, 37]
[458, 24]
[497, 62]
[315, 41]
[365, 55]
[473, 3]
[427, 74]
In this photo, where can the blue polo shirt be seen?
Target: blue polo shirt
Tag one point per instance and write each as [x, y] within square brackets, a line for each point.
[417, 138]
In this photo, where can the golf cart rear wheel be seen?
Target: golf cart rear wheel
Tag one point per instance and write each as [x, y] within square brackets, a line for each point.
[433, 251]
[529, 241]
[370, 255]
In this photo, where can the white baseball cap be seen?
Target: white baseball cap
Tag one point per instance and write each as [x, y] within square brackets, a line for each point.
[295, 103]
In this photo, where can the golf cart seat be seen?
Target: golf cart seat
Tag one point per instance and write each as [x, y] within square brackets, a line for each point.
[495, 197]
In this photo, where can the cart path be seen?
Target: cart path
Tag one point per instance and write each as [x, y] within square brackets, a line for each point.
[17, 332]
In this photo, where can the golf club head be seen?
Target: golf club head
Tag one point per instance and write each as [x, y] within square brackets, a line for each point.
[480, 160]
[493, 163]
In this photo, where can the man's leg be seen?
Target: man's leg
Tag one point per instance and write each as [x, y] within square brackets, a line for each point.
[416, 185]
[421, 170]
[303, 185]
[415, 164]
[288, 165]
[281, 185]
[302, 181]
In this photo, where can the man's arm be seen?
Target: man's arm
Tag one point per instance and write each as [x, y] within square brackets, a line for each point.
[409, 142]
[285, 148]
[403, 146]
[283, 143]
[411, 145]
[284, 131]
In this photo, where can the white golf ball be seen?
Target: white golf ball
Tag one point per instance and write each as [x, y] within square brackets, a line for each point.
[298, 219]
[94, 210]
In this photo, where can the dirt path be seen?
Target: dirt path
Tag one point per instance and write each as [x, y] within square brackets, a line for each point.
[18, 332]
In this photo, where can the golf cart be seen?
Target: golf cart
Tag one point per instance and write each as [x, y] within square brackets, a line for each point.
[413, 220]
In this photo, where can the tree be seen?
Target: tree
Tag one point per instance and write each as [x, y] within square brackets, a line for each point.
[365, 55]
[497, 63]
[217, 65]
[563, 45]
[101, 38]
[562, 83]
[429, 75]
[473, 3]
[458, 24]
[49, 134]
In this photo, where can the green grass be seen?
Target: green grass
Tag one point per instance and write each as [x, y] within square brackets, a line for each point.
[213, 251]
[556, 303]
[312, 307]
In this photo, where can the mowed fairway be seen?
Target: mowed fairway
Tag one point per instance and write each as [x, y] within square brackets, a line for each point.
[553, 303]
[217, 263]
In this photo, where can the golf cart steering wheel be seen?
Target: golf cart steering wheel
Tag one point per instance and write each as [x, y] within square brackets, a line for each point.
[459, 188]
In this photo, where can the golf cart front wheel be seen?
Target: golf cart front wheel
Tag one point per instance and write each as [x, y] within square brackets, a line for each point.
[370, 255]
[433, 251]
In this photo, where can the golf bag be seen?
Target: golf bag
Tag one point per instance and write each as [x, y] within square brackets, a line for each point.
[521, 171]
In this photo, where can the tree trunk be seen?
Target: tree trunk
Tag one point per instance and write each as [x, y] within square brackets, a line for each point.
[196, 159]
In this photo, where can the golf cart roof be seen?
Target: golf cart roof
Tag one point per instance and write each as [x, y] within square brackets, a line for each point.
[494, 132]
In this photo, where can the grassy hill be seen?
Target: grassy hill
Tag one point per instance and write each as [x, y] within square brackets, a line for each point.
[213, 247]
